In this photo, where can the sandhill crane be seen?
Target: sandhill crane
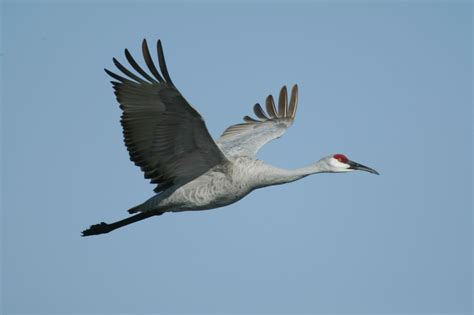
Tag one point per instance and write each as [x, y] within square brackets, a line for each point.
[168, 139]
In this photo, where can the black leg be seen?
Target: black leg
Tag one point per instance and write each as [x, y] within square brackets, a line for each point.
[103, 227]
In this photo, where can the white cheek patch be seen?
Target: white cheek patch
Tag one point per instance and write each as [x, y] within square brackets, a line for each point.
[334, 162]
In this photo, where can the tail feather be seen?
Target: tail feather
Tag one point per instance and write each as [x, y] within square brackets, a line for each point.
[135, 209]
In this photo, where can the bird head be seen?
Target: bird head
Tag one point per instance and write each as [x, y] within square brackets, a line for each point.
[339, 163]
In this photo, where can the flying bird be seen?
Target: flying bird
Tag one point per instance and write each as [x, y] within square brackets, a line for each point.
[168, 139]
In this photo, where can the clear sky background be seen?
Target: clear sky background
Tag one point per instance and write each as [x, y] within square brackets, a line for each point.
[388, 83]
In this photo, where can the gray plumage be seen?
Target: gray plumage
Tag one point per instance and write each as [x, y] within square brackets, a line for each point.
[168, 139]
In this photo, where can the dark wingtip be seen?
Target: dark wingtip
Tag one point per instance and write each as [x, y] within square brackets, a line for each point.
[162, 63]
[113, 75]
[144, 43]
[159, 46]
[149, 61]
[110, 73]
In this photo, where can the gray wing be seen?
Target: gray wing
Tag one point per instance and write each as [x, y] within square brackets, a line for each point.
[247, 138]
[165, 136]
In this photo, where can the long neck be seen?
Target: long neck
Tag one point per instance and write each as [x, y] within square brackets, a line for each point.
[277, 176]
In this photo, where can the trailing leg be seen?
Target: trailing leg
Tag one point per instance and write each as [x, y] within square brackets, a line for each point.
[103, 227]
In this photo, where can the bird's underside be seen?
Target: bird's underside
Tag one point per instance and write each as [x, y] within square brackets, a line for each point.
[168, 139]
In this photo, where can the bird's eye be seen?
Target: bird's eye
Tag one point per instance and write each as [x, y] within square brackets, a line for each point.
[341, 158]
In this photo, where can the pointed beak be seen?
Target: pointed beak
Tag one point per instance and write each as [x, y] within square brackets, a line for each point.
[360, 167]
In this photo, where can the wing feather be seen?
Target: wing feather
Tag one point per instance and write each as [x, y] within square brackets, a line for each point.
[127, 72]
[293, 101]
[258, 110]
[248, 137]
[250, 119]
[161, 60]
[282, 103]
[165, 136]
[135, 66]
[271, 109]
[149, 62]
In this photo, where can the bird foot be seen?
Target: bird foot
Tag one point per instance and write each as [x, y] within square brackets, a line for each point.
[96, 229]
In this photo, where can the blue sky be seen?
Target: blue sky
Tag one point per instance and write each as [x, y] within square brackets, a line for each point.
[387, 83]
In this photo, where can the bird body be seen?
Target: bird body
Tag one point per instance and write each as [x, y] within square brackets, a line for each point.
[220, 186]
[168, 139]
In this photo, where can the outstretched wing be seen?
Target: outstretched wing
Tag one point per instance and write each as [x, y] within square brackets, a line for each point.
[247, 138]
[165, 136]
